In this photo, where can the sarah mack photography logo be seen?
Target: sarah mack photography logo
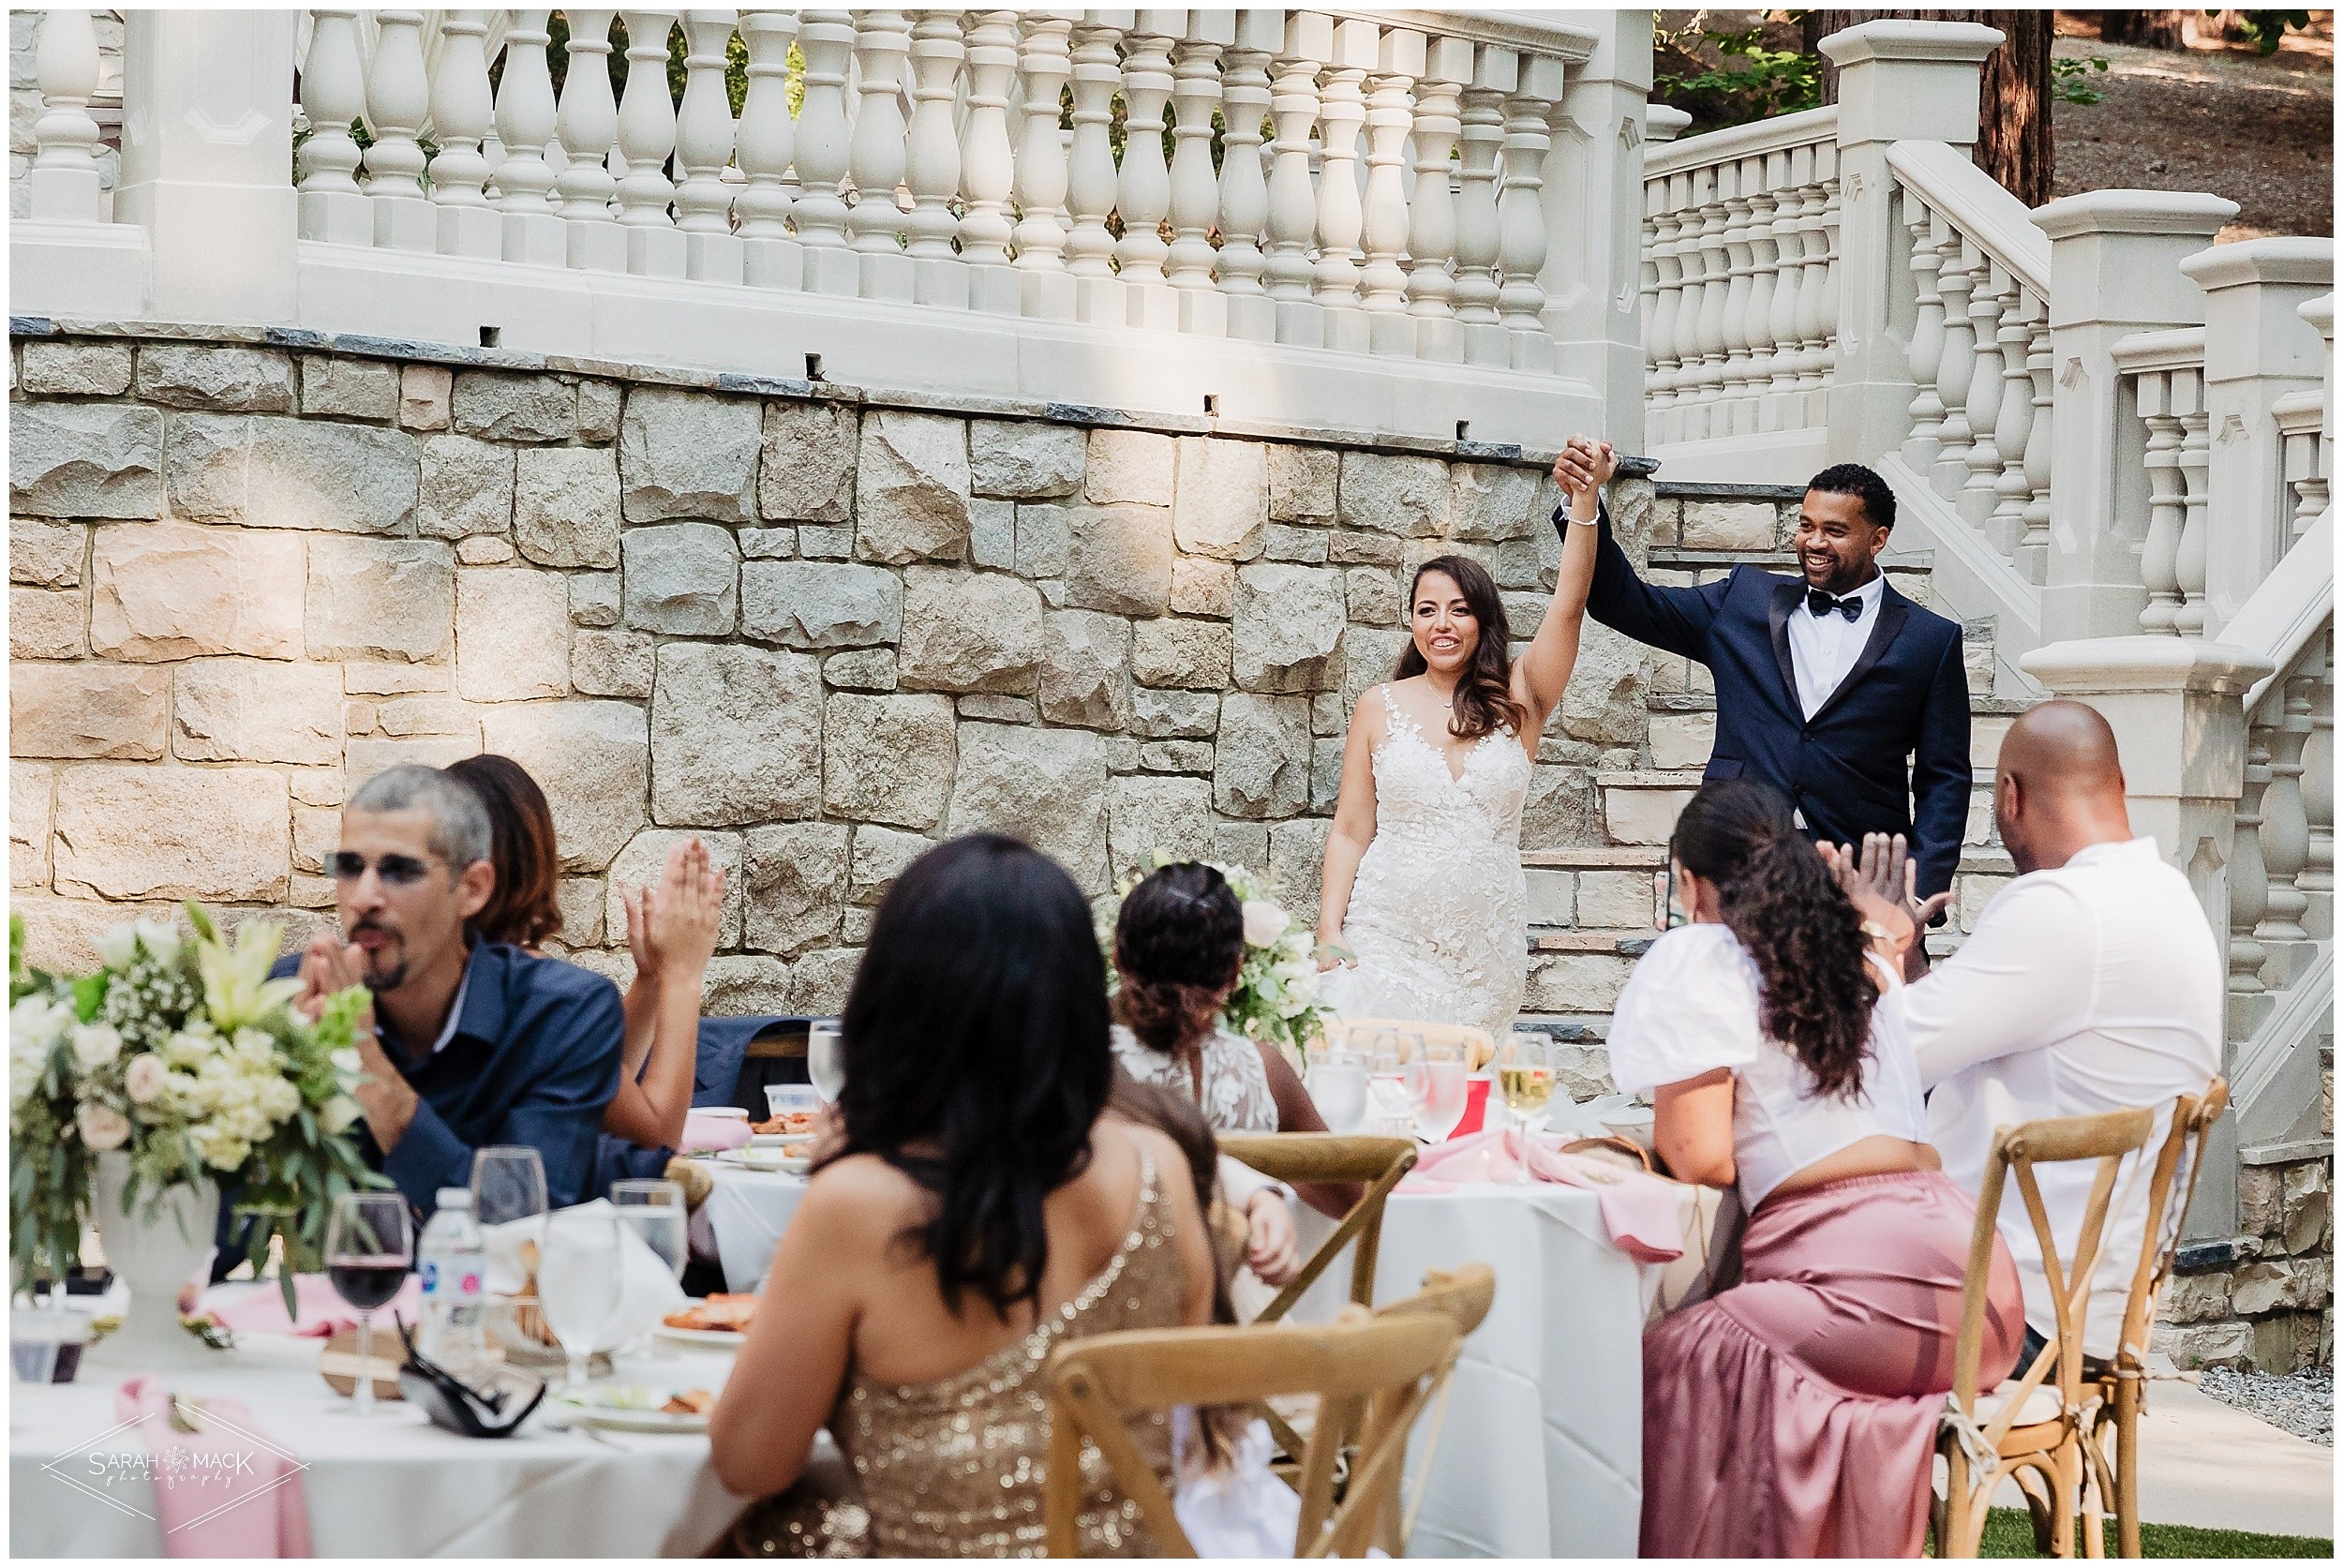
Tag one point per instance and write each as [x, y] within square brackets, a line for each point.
[195, 1450]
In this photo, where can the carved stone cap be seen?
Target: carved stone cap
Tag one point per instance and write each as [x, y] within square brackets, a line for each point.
[2135, 212]
[2284, 259]
[2095, 666]
[1966, 42]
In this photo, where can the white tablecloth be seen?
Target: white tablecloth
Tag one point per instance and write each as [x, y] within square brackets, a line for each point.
[749, 1210]
[393, 1485]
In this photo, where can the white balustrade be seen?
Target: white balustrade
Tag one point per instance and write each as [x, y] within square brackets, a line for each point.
[1521, 212]
[399, 100]
[334, 93]
[1245, 92]
[704, 148]
[987, 179]
[1341, 113]
[1384, 231]
[882, 40]
[1144, 187]
[587, 124]
[62, 185]
[1195, 191]
[1045, 62]
[463, 115]
[526, 123]
[1432, 228]
[763, 145]
[1090, 177]
[932, 162]
[824, 149]
[647, 136]
[1292, 199]
[1479, 233]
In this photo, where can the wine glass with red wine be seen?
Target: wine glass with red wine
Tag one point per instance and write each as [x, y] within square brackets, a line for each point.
[369, 1246]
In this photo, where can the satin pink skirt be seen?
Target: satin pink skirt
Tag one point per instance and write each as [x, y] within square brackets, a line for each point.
[1794, 1414]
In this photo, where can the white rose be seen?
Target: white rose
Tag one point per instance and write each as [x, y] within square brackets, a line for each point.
[118, 947]
[1264, 922]
[145, 1080]
[279, 1098]
[95, 1045]
[1301, 984]
[35, 1024]
[221, 1150]
[337, 1114]
[348, 1062]
[103, 1128]
[161, 938]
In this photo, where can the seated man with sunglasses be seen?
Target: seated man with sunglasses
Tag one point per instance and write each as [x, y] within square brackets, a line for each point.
[475, 1043]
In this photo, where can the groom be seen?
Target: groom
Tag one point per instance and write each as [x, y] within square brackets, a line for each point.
[1825, 682]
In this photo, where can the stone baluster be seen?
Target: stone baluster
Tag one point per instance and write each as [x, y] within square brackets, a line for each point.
[1045, 63]
[1310, 41]
[1704, 418]
[529, 227]
[987, 170]
[1987, 304]
[1341, 216]
[333, 95]
[399, 100]
[763, 147]
[2189, 564]
[588, 122]
[1090, 187]
[1764, 261]
[932, 162]
[1384, 230]
[63, 184]
[1142, 192]
[1927, 346]
[2160, 546]
[1734, 180]
[646, 135]
[1960, 272]
[2031, 555]
[1245, 96]
[1681, 346]
[2316, 881]
[1432, 226]
[826, 38]
[704, 137]
[882, 39]
[2248, 886]
[463, 114]
[1195, 191]
[1479, 233]
[1821, 284]
[2013, 421]
[2284, 819]
[1658, 332]
[1790, 173]
[1521, 212]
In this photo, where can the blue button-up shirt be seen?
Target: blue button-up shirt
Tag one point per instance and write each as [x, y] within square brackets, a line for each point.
[532, 1058]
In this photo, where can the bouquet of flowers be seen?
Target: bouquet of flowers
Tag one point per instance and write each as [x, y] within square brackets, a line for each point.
[184, 1055]
[1276, 999]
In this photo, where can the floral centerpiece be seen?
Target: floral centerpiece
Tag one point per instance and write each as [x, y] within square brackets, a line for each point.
[176, 1067]
[1276, 999]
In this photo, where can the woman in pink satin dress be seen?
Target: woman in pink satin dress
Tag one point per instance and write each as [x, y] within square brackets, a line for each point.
[1795, 1413]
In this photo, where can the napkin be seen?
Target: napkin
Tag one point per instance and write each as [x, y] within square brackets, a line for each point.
[224, 1490]
[1640, 1212]
[704, 1133]
[647, 1291]
[260, 1309]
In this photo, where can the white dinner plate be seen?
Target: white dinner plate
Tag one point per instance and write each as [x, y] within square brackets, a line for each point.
[767, 1161]
[778, 1140]
[715, 1338]
[599, 1412]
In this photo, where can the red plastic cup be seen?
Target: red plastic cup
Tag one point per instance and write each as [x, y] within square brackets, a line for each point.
[1476, 1105]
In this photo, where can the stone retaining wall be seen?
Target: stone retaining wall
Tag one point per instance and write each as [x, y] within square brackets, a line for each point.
[2265, 1298]
[817, 631]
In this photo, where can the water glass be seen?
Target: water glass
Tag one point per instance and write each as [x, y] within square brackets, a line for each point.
[1441, 1105]
[1391, 1092]
[33, 1335]
[785, 1099]
[1338, 1085]
[825, 1058]
[508, 1183]
[369, 1246]
[581, 1278]
[655, 1210]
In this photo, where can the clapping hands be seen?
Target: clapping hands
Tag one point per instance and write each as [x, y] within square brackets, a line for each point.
[672, 924]
[1883, 882]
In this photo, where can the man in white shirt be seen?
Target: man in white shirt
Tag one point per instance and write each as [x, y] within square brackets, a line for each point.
[2092, 983]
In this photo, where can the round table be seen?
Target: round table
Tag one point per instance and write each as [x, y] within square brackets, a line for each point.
[390, 1485]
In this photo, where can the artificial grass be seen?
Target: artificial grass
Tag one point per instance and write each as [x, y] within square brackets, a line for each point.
[2009, 1533]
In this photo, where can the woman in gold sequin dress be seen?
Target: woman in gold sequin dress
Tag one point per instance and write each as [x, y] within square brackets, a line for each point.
[978, 1205]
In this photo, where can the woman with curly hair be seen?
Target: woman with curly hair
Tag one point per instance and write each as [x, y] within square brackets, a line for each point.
[1422, 905]
[1794, 1414]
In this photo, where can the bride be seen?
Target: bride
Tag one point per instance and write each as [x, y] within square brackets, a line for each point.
[1425, 914]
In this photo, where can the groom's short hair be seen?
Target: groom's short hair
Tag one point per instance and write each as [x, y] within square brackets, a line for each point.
[1854, 479]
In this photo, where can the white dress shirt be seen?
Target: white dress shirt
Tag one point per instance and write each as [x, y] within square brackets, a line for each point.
[2091, 988]
[1823, 647]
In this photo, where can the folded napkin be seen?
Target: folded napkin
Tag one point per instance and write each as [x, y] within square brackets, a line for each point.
[1642, 1213]
[704, 1133]
[225, 1490]
[647, 1294]
[322, 1313]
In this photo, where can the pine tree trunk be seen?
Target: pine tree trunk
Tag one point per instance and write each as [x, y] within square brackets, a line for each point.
[2145, 29]
[2013, 141]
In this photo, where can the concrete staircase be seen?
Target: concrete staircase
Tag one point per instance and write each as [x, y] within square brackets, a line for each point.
[1594, 909]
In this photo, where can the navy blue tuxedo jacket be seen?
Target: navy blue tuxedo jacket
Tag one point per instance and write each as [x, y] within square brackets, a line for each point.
[1907, 695]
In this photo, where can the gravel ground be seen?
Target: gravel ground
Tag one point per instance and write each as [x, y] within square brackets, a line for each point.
[2302, 1403]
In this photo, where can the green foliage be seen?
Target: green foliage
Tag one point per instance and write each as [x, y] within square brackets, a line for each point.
[1755, 83]
[2009, 1533]
[2070, 80]
[2266, 30]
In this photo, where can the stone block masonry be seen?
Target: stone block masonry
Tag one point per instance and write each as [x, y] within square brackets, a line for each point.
[820, 628]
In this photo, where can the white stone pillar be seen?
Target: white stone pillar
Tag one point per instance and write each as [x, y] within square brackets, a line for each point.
[1594, 210]
[704, 136]
[526, 122]
[2115, 259]
[1243, 176]
[1390, 114]
[1898, 80]
[1341, 113]
[463, 115]
[1142, 192]
[1045, 63]
[587, 120]
[398, 101]
[334, 95]
[826, 40]
[1479, 232]
[207, 161]
[1432, 212]
[647, 138]
[987, 176]
[1310, 41]
[2258, 348]
[1203, 309]
[932, 162]
[764, 146]
[882, 39]
[1090, 187]
[62, 185]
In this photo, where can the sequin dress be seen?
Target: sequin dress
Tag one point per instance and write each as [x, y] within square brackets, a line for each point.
[956, 1467]
[1438, 914]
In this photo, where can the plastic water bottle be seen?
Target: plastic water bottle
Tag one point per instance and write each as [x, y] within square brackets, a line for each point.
[453, 1260]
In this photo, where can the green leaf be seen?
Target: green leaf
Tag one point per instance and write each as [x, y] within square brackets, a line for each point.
[89, 995]
[201, 918]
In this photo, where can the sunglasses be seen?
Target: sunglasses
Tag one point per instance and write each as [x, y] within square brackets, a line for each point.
[396, 871]
[495, 1411]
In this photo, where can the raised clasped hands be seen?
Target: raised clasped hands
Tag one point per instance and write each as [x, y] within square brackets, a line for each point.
[1584, 467]
[1883, 882]
[327, 965]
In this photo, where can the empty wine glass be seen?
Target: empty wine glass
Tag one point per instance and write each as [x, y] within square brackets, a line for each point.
[1442, 1104]
[1338, 1086]
[369, 1246]
[1525, 1077]
[508, 1183]
[825, 1058]
[656, 1211]
[580, 1274]
[1391, 1054]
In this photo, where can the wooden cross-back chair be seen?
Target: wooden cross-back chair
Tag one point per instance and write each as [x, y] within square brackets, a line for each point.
[1374, 1376]
[2032, 1427]
[2122, 1382]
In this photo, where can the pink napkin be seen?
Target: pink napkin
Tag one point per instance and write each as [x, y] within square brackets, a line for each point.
[1639, 1211]
[228, 1490]
[323, 1313]
[706, 1133]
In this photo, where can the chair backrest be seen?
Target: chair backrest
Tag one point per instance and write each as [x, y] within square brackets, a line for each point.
[1480, 1045]
[1373, 1375]
[1329, 1157]
[2105, 1139]
[2178, 1163]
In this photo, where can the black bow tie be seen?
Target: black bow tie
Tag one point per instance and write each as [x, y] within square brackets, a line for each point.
[1821, 603]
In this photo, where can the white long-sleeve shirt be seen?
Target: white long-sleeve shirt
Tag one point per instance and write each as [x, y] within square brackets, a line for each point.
[2091, 988]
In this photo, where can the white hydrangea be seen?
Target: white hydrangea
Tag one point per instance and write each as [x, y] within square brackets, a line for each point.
[118, 947]
[161, 940]
[95, 1045]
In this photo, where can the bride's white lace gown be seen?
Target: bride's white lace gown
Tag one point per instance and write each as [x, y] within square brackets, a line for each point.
[1439, 914]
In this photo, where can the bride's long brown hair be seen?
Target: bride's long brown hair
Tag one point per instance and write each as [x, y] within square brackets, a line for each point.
[1485, 693]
